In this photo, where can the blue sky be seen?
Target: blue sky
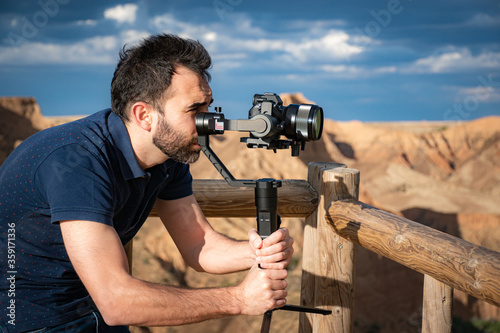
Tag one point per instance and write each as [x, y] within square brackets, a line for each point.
[390, 60]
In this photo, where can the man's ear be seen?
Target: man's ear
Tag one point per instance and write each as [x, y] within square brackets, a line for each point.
[141, 115]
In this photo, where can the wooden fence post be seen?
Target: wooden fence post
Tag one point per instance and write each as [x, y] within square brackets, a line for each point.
[328, 259]
[437, 306]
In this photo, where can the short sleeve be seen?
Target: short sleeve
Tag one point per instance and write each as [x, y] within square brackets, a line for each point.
[75, 184]
[179, 185]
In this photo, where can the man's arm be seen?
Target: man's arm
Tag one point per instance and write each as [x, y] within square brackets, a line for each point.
[206, 250]
[98, 257]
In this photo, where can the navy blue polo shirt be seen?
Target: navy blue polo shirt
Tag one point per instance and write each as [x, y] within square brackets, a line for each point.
[83, 170]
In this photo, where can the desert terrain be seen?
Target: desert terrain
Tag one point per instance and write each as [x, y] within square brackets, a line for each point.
[442, 174]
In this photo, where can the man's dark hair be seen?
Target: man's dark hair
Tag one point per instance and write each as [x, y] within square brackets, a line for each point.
[145, 71]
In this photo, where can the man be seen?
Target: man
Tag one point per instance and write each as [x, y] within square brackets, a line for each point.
[73, 195]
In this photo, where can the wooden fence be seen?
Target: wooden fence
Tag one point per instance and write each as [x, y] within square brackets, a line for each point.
[336, 221]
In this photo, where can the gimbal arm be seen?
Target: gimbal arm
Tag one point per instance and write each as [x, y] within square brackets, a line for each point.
[204, 142]
[266, 191]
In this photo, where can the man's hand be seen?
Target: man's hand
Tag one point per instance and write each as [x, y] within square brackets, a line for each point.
[274, 252]
[262, 290]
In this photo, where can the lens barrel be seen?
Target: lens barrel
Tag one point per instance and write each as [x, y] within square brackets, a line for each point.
[303, 122]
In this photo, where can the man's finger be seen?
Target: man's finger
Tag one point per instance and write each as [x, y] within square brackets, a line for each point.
[276, 237]
[254, 239]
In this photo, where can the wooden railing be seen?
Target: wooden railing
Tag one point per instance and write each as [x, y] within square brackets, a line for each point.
[336, 221]
[341, 221]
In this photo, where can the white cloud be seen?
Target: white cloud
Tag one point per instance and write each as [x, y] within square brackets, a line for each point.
[333, 45]
[210, 36]
[169, 24]
[86, 22]
[133, 36]
[122, 13]
[343, 71]
[330, 48]
[237, 45]
[351, 71]
[97, 50]
[319, 45]
[487, 94]
[483, 20]
[455, 60]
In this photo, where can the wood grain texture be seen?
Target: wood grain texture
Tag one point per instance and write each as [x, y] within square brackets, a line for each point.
[470, 268]
[324, 284]
[310, 246]
[437, 306]
[334, 287]
[296, 198]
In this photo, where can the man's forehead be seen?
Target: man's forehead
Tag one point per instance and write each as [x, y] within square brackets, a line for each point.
[189, 84]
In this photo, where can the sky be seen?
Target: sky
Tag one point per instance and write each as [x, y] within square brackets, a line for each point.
[389, 60]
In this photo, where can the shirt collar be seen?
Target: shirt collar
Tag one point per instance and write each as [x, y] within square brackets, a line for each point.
[128, 162]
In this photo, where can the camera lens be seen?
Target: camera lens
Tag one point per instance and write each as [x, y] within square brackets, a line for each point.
[303, 122]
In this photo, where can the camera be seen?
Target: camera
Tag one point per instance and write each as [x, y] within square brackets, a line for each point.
[268, 121]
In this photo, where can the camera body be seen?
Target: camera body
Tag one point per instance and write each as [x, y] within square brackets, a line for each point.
[268, 120]
[297, 122]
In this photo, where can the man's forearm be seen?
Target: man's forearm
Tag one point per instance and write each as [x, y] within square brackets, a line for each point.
[99, 259]
[143, 303]
[129, 301]
[222, 255]
[201, 246]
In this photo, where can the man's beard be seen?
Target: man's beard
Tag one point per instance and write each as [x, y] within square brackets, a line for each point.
[174, 144]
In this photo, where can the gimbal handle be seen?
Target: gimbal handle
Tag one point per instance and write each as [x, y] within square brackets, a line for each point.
[266, 201]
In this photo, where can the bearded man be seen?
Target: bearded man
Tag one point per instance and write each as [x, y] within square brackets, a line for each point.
[74, 194]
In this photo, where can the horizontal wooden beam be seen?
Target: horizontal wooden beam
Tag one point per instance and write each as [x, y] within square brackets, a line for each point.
[296, 198]
[470, 268]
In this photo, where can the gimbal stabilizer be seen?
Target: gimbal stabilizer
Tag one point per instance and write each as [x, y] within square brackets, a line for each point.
[268, 120]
